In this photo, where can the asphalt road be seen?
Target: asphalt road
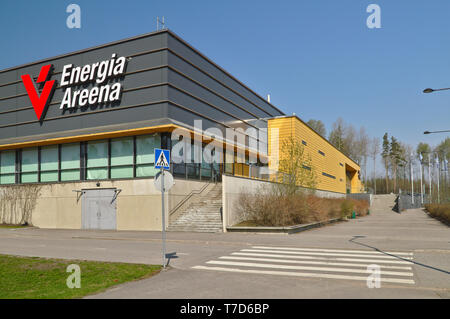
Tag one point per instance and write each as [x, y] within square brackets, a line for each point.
[412, 250]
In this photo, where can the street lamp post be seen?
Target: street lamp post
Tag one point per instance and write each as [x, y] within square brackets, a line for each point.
[428, 90]
[429, 175]
[438, 176]
[412, 180]
[421, 183]
[428, 132]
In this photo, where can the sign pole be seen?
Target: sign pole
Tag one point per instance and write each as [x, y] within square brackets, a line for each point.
[162, 161]
[163, 219]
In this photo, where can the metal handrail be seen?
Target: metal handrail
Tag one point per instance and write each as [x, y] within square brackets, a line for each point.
[192, 193]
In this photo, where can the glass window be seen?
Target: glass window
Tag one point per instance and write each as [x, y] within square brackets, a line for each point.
[178, 160]
[70, 162]
[49, 163]
[97, 160]
[193, 168]
[213, 169]
[145, 154]
[216, 169]
[7, 167]
[122, 151]
[30, 164]
[206, 167]
[228, 168]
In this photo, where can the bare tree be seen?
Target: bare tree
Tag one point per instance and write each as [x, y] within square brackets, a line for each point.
[374, 151]
[362, 148]
[297, 168]
[408, 151]
[351, 147]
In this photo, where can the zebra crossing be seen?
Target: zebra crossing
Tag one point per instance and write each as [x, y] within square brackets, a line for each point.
[344, 264]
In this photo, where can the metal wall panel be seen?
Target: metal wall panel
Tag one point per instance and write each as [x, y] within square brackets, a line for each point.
[203, 94]
[198, 60]
[184, 69]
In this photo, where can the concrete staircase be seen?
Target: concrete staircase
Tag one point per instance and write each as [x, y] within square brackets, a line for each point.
[383, 203]
[203, 214]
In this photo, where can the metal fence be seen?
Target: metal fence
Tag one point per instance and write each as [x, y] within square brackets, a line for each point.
[404, 201]
[361, 196]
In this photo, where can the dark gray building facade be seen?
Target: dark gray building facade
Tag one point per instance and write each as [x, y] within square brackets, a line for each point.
[165, 83]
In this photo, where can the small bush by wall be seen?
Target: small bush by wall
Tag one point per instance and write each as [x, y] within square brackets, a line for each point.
[270, 208]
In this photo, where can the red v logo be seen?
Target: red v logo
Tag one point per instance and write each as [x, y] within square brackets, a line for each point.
[41, 102]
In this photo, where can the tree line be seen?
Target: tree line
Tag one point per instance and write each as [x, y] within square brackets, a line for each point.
[401, 162]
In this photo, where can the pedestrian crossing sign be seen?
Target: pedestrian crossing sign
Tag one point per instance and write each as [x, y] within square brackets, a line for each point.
[162, 158]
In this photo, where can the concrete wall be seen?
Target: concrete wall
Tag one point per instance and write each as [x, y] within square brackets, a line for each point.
[138, 204]
[327, 194]
[233, 186]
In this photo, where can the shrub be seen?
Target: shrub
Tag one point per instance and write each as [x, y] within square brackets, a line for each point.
[347, 208]
[439, 211]
[271, 208]
[361, 207]
[17, 203]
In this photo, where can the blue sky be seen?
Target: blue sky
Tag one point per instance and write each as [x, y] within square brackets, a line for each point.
[316, 58]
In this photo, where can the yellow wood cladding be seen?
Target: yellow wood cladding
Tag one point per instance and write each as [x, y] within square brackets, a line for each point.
[325, 157]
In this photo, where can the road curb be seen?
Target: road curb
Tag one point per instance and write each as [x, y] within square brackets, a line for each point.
[282, 229]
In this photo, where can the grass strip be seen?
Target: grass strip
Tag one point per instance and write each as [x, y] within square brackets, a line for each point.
[42, 278]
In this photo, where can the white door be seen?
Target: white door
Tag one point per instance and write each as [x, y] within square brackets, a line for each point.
[99, 208]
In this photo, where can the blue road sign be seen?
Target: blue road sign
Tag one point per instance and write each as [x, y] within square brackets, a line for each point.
[162, 158]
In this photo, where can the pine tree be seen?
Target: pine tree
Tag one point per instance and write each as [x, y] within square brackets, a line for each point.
[385, 155]
[337, 136]
[396, 156]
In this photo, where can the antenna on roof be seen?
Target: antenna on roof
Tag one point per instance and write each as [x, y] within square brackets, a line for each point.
[160, 21]
[268, 98]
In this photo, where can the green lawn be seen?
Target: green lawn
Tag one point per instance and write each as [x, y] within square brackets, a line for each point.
[38, 278]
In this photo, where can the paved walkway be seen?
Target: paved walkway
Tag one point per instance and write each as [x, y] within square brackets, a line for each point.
[412, 249]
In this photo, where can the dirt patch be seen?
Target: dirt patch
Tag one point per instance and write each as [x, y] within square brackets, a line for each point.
[42, 266]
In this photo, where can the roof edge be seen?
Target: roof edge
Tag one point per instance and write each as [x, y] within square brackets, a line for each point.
[86, 50]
